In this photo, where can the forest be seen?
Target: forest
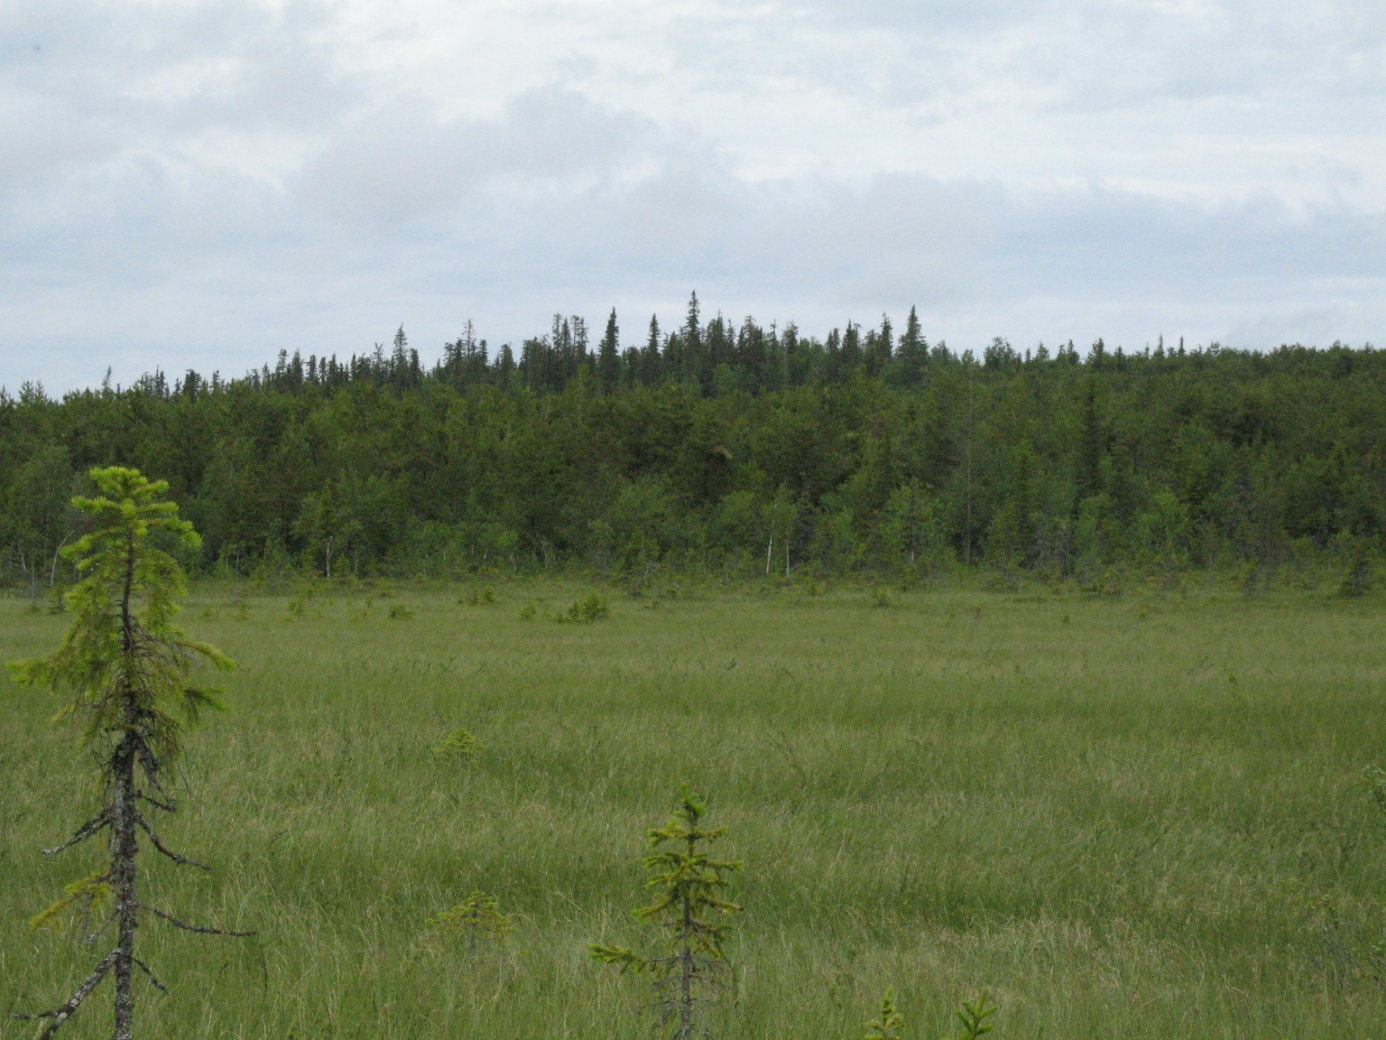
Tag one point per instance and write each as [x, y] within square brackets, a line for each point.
[731, 449]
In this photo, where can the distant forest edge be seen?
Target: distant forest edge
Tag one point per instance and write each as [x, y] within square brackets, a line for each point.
[732, 449]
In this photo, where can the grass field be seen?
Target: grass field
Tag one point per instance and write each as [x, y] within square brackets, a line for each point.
[1141, 817]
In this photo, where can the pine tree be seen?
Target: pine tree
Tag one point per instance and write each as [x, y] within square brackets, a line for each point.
[689, 884]
[127, 670]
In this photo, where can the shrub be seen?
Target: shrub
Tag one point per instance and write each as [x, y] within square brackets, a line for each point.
[590, 608]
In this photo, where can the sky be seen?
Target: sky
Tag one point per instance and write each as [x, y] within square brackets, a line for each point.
[202, 183]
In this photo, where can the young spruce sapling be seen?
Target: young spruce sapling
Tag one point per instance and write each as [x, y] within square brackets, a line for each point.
[126, 669]
[688, 884]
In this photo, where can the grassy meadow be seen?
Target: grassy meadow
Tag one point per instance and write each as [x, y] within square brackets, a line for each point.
[1140, 817]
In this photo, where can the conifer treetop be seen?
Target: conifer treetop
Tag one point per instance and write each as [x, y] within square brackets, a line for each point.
[122, 650]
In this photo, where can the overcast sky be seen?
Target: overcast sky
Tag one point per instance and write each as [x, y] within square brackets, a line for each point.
[200, 184]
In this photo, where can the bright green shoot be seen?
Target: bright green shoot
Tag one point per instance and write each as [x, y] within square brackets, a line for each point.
[975, 1017]
[891, 1023]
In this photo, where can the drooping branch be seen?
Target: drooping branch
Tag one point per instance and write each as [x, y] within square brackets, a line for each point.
[59, 1015]
[149, 974]
[199, 929]
[167, 807]
[93, 826]
[181, 860]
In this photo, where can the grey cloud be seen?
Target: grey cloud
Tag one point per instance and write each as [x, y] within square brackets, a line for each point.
[1096, 54]
[269, 200]
[401, 162]
[978, 259]
[108, 80]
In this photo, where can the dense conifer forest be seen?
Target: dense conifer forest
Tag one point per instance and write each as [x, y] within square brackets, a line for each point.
[733, 449]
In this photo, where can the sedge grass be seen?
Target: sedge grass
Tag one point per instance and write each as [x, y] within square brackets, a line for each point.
[1134, 818]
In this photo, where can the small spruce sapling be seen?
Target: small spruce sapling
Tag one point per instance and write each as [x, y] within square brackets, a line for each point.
[459, 746]
[127, 669]
[590, 608]
[891, 1023]
[688, 884]
[975, 1018]
[477, 917]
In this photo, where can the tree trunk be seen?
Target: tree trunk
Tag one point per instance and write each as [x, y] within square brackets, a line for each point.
[53, 570]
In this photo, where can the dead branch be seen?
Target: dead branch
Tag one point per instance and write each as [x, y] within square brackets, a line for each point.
[59, 1015]
[151, 976]
[95, 825]
[199, 929]
[176, 857]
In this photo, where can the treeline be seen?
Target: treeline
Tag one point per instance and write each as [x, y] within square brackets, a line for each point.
[739, 449]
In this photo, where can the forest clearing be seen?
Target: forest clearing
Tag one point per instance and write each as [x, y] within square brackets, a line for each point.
[1141, 816]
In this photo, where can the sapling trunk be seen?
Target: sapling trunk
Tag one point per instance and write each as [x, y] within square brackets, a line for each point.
[125, 870]
[686, 968]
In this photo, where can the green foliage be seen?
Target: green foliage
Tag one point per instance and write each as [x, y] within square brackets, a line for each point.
[1375, 778]
[688, 885]
[476, 918]
[126, 578]
[890, 1024]
[1099, 785]
[786, 451]
[975, 1018]
[399, 612]
[590, 608]
[87, 895]
[484, 597]
[1357, 577]
[459, 746]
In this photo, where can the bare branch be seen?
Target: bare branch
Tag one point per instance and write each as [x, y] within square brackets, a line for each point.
[61, 1014]
[95, 825]
[165, 806]
[151, 976]
[90, 940]
[154, 839]
[194, 927]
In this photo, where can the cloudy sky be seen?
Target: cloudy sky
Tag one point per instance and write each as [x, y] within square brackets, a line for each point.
[200, 183]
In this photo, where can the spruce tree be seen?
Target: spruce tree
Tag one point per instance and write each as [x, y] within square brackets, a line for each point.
[609, 356]
[688, 884]
[126, 669]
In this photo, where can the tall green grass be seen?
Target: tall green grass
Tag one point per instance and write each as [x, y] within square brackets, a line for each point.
[1136, 818]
